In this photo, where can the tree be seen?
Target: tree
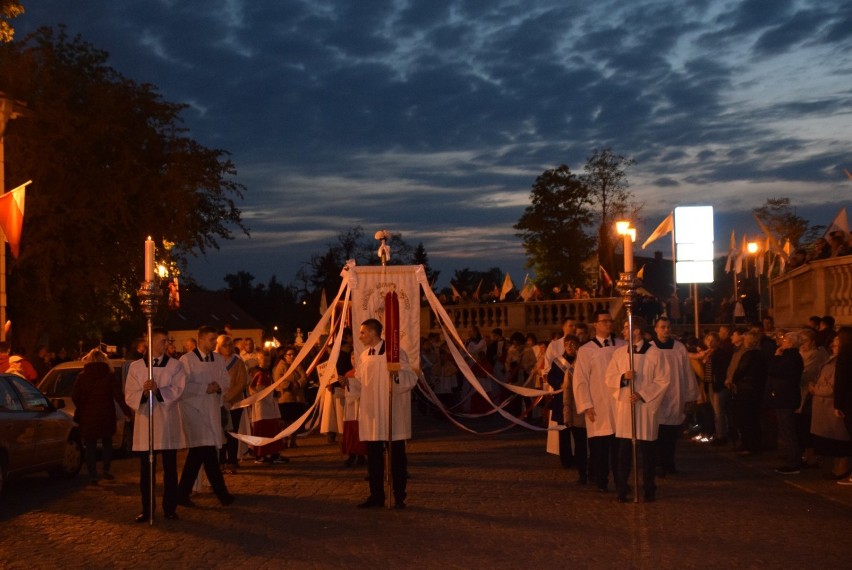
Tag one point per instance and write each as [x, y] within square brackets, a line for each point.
[9, 10]
[781, 219]
[111, 164]
[554, 228]
[420, 257]
[606, 179]
[323, 270]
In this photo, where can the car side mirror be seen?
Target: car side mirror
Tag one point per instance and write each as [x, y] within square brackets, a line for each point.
[57, 403]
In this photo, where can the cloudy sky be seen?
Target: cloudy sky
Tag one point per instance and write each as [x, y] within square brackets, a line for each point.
[433, 117]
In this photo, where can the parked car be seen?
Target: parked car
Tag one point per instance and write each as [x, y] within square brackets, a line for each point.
[58, 383]
[34, 434]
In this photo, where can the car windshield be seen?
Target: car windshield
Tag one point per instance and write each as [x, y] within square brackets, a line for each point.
[60, 383]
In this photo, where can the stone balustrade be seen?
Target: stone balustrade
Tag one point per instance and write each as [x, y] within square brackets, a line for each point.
[822, 287]
[539, 317]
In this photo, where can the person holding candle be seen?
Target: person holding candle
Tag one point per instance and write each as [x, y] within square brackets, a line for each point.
[168, 385]
[370, 386]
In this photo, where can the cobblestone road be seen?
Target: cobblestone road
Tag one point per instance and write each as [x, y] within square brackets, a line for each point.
[496, 501]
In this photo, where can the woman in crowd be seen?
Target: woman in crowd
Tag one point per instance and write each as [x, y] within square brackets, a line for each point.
[95, 396]
[265, 416]
[829, 434]
[783, 395]
[291, 399]
[747, 386]
[814, 358]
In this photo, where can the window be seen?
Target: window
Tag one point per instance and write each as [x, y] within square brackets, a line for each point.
[9, 401]
[34, 401]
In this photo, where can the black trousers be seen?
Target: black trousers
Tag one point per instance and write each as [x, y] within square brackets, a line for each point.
[196, 457]
[581, 452]
[646, 452]
[566, 453]
[603, 454]
[666, 444]
[746, 407]
[376, 469]
[229, 451]
[170, 480]
[91, 444]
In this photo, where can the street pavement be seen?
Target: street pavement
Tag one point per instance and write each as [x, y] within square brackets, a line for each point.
[496, 501]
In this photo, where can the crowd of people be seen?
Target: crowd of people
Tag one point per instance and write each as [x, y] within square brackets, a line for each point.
[753, 388]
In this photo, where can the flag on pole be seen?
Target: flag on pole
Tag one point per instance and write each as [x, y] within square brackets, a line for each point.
[507, 287]
[528, 289]
[12, 216]
[665, 227]
[761, 256]
[839, 223]
[605, 278]
[456, 294]
[476, 293]
[847, 174]
[323, 303]
[767, 233]
[641, 273]
[741, 255]
[730, 263]
[785, 255]
[495, 292]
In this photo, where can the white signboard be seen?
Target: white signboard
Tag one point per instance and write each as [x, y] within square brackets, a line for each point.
[693, 230]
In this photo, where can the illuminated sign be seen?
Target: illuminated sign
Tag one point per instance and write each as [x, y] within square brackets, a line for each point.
[693, 230]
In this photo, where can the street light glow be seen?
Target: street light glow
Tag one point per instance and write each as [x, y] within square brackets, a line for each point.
[752, 247]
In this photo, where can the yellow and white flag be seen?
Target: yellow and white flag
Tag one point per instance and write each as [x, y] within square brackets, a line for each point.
[665, 227]
[507, 287]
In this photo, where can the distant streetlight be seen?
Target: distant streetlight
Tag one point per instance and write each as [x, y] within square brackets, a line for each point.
[753, 248]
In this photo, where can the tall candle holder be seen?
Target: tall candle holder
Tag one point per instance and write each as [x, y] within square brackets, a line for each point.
[627, 285]
[149, 298]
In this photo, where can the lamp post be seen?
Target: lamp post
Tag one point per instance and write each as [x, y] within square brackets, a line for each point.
[753, 248]
[627, 285]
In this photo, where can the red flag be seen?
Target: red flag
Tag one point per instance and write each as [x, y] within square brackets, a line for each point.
[605, 279]
[12, 216]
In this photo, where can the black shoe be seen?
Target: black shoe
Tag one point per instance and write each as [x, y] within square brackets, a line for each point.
[649, 497]
[602, 490]
[399, 504]
[362, 460]
[371, 502]
[108, 476]
[622, 499]
[141, 518]
[171, 516]
[227, 500]
[350, 461]
[186, 503]
[581, 481]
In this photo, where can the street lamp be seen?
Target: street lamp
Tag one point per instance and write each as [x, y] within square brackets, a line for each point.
[753, 248]
[627, 285]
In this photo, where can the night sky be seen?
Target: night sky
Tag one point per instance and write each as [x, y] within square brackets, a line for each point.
[433, 118]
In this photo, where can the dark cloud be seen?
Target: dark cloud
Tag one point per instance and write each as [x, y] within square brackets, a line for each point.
[437, 116]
